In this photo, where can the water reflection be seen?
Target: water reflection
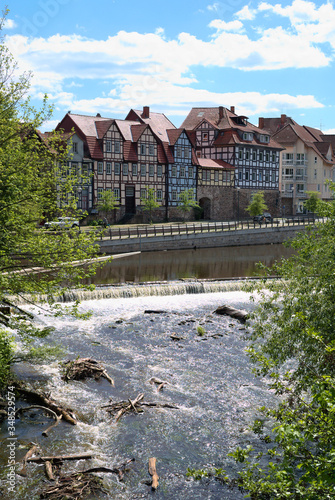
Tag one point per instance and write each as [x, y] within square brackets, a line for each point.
[204, 263]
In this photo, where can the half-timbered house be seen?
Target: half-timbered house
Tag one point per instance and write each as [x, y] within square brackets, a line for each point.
[246, 156]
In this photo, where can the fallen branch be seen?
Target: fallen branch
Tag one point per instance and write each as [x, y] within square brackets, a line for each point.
[83, 368]
[153, 473]
[48, 471]
[160, 383]
[46, 401]
[28, 455]
[44, 408]
[59, 458]
[128, 407]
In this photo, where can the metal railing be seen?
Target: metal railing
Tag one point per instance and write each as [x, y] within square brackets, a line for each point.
[168, 230]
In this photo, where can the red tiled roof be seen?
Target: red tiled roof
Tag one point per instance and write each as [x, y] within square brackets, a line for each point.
[137, 131]
[94, 148]
[158, 122]
[168, 152]
[102, 127]
[210, 163]
[161, 157]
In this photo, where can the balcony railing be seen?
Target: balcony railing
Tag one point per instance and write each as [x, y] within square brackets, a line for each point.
[292, 177]
[292, 162]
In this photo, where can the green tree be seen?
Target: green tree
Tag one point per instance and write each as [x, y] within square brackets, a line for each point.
[108, 202]
[149, 202]
[32, 261]
[186, 201]
[311, 204]
[257, 205]
[293, 344]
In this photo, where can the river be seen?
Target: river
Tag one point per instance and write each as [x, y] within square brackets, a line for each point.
[209, 380]
[203, 263]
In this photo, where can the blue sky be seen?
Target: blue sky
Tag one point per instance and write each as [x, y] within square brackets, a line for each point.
[109, 56]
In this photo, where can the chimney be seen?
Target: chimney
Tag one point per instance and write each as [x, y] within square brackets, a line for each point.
[282, 120]
[98, 115]
[232, 109]
[220, 112]
[146, 112]
[260, 122]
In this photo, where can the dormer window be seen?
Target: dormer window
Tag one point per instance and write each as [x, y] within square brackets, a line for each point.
[247, 136]
[264, 138]
[205, 136]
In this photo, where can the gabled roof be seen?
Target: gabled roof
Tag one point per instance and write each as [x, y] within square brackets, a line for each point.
[137, 131]
[225, 120]
[158, 122]
[289, 133]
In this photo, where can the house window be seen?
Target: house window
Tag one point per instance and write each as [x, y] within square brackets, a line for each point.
[182, 172]
[216, 176]
[100, 167]
[273, 176]
[117, 147]
[143, 193]
[247, 136]
[240, 154]
[143, 170]
[159, 170]
[75, 147]
[151, 170]
[142, 149]
[190, 172]
[247, 154]
[267, 176]
[267, 156]
[117, 168]
[100, 191]
[151, 149]
[240, 176]
[315, 173]
[159, 196]
[264, 138]
[247, 175]
[254, 176]
[125, 169]
[187, 152]
[174, 195]
[134, 168]
[254, 155]
[261, 156]
[260, 176]
[108, 168]
[174, 172]
[205, 136]
[273, 157]
[315, 159]
[108, 146]
[117, 193]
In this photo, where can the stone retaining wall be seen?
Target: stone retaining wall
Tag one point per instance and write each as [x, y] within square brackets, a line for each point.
[242, 237]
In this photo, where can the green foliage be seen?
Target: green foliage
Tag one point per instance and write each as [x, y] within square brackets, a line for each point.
[201, 331]
[33, 261]
[257, 205]
[293, 344]
[311, 204]
[186, 201]
[6, 357]
[149, 202]
[108, 202]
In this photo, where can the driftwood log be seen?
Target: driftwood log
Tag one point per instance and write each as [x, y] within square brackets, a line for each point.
[160, 383]
[153, 473]
[29, 454]
[233, 313]
[59, 458]
[120, 408]
[83, 368]
[46, 401]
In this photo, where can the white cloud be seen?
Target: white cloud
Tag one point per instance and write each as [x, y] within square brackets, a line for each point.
[246, 13]
[214, 7]
[9, 24]
[220, 25]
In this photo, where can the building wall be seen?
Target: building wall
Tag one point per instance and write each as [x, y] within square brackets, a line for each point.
[182, 175]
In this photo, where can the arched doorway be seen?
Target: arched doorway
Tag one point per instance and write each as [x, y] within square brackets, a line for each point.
[205, 204]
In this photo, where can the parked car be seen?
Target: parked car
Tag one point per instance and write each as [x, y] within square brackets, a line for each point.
[62, 223]
[266, 217]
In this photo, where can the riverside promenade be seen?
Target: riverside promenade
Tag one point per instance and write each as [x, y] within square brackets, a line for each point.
[198, 235]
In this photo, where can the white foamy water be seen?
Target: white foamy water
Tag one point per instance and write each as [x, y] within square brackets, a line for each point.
[209, 380]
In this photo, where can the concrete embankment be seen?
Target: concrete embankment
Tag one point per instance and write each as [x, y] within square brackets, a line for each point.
[240, 237]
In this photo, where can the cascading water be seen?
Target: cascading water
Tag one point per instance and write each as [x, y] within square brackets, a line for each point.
[209, 379]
